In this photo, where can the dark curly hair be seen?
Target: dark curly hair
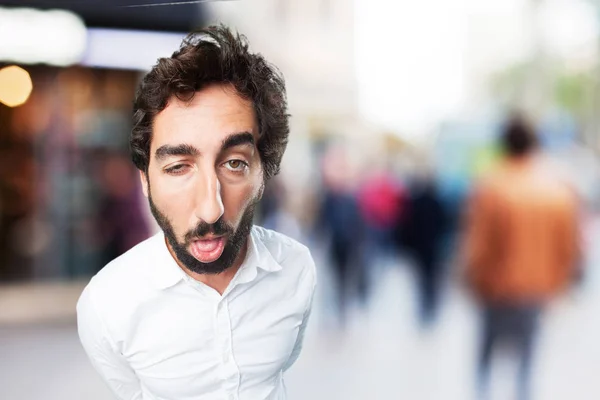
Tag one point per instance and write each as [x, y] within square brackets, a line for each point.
[208, 56]
[518, 137]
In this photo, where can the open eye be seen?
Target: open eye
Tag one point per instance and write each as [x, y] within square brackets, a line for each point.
[236, 165]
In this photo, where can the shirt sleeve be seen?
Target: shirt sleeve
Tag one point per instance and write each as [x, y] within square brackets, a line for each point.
[108, 362]
[300, 338]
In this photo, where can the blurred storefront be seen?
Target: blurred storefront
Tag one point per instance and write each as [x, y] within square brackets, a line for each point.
[69, 195]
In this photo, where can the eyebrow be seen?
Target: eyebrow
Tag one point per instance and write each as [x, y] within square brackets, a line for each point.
[166, 150]
[237, 139]
[233, 140]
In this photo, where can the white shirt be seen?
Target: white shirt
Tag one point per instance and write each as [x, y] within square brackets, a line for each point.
[154, 333]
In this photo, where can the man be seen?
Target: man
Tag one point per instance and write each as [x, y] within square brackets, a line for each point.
[211, 307]
[521, 247]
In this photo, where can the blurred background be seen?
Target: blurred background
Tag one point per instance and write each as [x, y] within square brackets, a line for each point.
[396, 111]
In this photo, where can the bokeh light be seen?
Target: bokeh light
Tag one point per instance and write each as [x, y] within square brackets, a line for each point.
[15, 86]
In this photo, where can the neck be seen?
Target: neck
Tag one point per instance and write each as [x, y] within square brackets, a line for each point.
[220, 281]
[521, 159]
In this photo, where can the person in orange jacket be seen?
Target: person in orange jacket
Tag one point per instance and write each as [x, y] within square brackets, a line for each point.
[521, 247]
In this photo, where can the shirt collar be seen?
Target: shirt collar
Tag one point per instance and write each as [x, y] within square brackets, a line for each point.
[259, 255]
[166, 272]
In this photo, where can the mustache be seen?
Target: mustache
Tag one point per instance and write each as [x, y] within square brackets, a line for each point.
[219, 228]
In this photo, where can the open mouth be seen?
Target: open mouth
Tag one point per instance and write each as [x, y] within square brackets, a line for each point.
[208, 250]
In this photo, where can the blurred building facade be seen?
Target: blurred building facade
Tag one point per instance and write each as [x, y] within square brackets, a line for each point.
[69, 195]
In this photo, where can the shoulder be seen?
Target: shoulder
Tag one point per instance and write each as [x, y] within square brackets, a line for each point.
[279, 245]
[489, 184]
[122, 283]
[293, 256]
[128, 267]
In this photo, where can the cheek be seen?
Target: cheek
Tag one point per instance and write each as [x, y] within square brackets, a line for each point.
[237, 197]
[174, 201]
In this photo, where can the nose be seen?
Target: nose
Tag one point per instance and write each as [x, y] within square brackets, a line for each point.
[209, 205]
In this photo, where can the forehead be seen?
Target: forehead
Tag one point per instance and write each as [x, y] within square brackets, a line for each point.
[214, 113]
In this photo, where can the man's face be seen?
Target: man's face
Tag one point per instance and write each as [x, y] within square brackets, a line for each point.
[205, 177]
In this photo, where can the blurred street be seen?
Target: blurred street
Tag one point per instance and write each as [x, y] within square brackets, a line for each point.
[381, 355]
[443, 165]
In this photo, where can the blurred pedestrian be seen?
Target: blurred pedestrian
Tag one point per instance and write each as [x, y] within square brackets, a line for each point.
[521, 247]
[339, 219]
[381, 201]
[421, 232]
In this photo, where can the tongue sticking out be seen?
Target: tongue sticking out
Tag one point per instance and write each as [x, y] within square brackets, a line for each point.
[208, 250]
[207, 245]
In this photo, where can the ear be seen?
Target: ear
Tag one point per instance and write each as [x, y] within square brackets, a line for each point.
[144, 180]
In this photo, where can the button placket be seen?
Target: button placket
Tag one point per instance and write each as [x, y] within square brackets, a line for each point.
[230, 370]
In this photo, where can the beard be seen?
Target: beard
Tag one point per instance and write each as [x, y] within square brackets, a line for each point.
[236, 239]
